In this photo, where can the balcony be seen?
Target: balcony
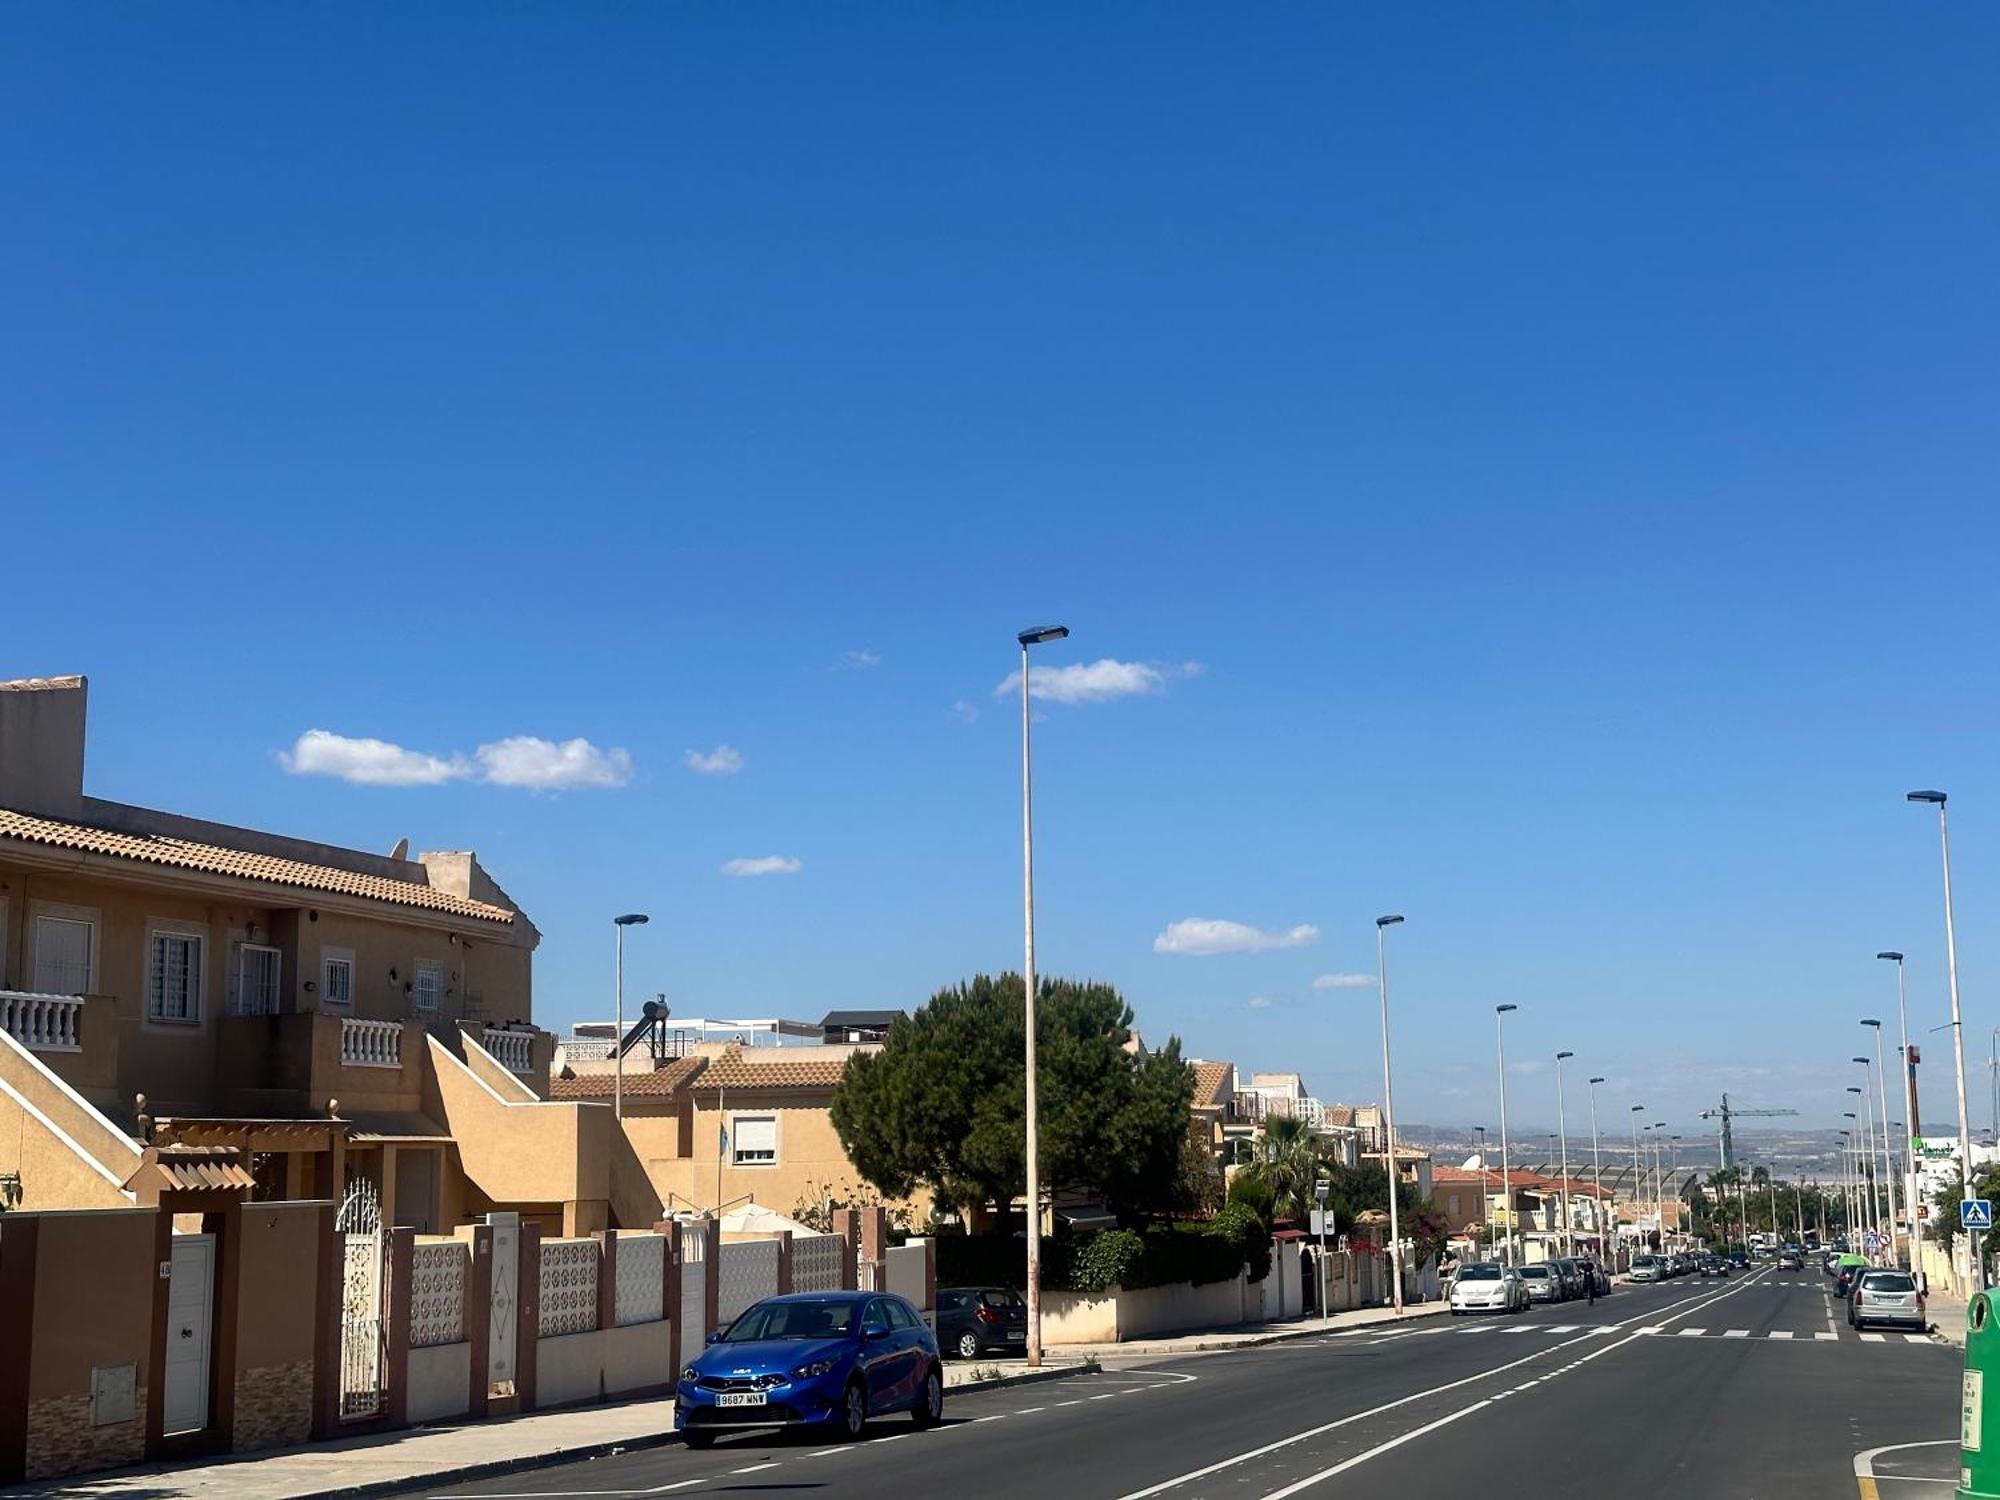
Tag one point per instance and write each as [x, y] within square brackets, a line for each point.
[370, 1044]
[43, 1023]
[515, 1050]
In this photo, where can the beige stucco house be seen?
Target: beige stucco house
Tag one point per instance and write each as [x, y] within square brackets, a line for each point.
[325, 1015]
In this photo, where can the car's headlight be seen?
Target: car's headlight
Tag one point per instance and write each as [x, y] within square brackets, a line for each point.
[814, 1370]
[689, 1374]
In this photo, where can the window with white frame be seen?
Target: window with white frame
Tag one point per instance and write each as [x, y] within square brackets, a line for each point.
[257, 970]
[428, 993]
[336, 978]
[63, 947]
[754, 1141]
[173, 983]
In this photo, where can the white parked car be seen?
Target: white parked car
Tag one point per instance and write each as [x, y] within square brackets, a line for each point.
[1487, 1286]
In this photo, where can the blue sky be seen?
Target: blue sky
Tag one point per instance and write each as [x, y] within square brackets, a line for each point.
[1534, 463]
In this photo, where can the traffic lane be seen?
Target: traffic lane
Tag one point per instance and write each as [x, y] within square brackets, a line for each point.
[1316, 1455]
[1671, 1415]
[1095, 1430]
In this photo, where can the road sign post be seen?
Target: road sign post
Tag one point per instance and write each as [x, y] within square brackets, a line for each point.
[1975, 1215]
[1322, 1190]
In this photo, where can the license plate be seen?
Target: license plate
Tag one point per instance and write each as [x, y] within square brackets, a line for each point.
[741, 1398]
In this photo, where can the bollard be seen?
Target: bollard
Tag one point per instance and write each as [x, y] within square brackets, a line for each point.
[1978, 1470]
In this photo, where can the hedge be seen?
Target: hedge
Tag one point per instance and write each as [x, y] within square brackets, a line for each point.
[1097, 1260]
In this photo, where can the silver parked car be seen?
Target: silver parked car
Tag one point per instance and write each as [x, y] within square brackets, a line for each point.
[1543, 1283]
[1886, 1297]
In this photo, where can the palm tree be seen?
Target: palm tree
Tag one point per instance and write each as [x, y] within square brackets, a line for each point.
[1287, 1161]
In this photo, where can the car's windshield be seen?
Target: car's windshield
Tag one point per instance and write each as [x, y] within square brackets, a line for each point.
[1535, 1273]
[1888, 1281]
[1480, 1273]
[1645, 1260]
[817, 1319]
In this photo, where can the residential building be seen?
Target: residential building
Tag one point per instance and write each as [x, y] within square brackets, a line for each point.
[313, 1015]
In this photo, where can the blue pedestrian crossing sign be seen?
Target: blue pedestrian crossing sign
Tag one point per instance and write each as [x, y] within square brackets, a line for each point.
[1975, 1213]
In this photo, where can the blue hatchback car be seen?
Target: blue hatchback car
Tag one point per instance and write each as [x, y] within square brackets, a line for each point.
[813, 1359]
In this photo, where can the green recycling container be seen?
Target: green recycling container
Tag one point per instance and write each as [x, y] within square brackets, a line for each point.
[1979, 1466]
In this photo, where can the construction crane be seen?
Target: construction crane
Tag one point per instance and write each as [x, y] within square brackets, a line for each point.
[1728, 1113]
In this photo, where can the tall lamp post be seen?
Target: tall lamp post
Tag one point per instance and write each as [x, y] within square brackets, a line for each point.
[1865, 1159]
[1904, 1091]
[1506, 1179]
[1562, 1133]
[1597, 1180]
[619, 924]
[1382, 925]
[1972, 1249]
[1638, 1173]
[1852, 1194]
[1027, 638]
[1674, 1178]
[1888, 1162]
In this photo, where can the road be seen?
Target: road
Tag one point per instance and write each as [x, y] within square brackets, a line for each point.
[1749, 1387]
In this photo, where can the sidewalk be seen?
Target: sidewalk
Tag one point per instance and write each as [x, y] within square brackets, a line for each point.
[474, 1450]
[1947, 1315]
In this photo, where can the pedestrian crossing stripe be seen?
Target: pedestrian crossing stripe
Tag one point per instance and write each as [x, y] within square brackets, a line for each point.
[1776, 1335]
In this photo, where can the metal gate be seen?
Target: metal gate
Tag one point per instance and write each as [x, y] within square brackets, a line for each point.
[360, 1228]
[506, 1302]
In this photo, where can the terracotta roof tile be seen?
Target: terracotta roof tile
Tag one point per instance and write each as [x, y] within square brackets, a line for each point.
[656, 1084]
[733, 1071]
[1211, 1083]
[215, 859]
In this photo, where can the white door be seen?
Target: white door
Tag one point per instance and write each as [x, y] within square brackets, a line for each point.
[190, 1302]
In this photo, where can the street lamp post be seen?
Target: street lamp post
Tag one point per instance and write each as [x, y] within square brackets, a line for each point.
[1597, 1180]
[1382, 925]
[619, 924]
[1888, 1161]
[1972, 1249]
[1904, 1090]
[1848, 1190]
[1865, 1159]
[1506, 1180]
[1638, 1173]
[1673, 1179]
[1027, 638]
[1562, 1133]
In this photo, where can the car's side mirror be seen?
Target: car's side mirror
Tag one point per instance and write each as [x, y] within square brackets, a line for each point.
[873, 1334]
[715, 1337]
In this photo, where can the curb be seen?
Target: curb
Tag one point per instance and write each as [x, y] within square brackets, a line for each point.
[1025, 1377]
[1223, 1346]
[492, 1468]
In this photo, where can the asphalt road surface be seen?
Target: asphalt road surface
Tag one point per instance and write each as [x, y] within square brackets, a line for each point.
[1747, 1388]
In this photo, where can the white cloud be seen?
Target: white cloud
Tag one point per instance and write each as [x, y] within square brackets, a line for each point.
[1202, 935]
[522, 760]
[366, 762]
[865, 657]
[525, 760]
[1098, 681]
[768, 864]
[964, 712]
[1260, 1002]
[1344, 982]
[723, 760]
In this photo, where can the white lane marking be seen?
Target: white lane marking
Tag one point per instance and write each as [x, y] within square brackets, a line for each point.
[753, 1468]
[1781, 1334]
[1163, 1485]
[1692, 1333]
[1826, 1338]
[1873, 1338]
[824, 1452]
[1029, 1411]
[1915, 1338]
[1737, 1333]
[999, 1414]
[1077, 1402]
[1366, 1454]
[1558, 1328]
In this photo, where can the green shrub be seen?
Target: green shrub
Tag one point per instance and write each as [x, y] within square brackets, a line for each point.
[1243, 1230]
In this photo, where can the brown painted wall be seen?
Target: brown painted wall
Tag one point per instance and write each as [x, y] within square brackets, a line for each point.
[94, 1276]
[277, 1292]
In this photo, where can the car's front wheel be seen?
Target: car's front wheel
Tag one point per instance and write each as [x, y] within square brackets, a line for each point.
[929, 1410]
[853, 1410]
[968, 1345]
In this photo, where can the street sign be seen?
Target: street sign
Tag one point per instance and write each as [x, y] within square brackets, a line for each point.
[1975, 1213]
[1322, 1222]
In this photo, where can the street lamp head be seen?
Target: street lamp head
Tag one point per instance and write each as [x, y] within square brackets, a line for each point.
[1034, 635]
[1387, 921]
[1892, 957]
[631, 919]
[1658, 1125]
[1862, 1060]
[1937, 797]
[1598, 1080]
[1502, 1010]
[1638, 1109]
[1561, 1055]
[1865, 1021]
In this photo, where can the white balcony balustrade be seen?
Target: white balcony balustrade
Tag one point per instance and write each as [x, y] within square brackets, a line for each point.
[513, 1050]
[370, 1044]
[43, 1023]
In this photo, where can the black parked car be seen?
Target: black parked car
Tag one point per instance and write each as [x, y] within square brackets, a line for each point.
[976, 1320]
